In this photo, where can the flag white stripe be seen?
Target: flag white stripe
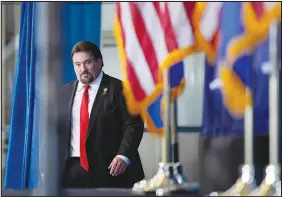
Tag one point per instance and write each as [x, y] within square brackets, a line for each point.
[154, 29]
[134, 51]
[268, 5]
[209, 23]
[181, 25]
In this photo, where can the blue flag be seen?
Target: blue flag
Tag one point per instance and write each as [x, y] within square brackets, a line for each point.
[228, 80]
[234, 60]
[217, 121]
[245, 74]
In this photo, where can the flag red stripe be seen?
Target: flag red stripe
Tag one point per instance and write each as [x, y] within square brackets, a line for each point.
[189, 8]
[258, 8]
[134, 83]
[167, 27]
[216, 36]
[136, 88]
[214, 39]
[144, 40]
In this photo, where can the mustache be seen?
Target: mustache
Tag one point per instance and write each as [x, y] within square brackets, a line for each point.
[85, 72]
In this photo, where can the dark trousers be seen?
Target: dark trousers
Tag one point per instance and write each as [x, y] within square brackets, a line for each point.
[74, 176]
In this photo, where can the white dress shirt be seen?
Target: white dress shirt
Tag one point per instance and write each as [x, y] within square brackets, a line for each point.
[75, 119]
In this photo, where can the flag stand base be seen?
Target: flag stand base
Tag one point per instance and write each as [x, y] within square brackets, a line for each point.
[184, 185]
[278, 189]
[271, 185]
[164, 179]
[243, 186]
[169, 179]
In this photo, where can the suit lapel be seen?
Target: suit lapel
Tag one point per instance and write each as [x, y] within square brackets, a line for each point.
[99, 99]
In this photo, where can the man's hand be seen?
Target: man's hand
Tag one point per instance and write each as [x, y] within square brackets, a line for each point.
[117, 167]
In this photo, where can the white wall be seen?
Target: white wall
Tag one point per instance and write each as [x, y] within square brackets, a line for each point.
[190, 103]
[111, 62]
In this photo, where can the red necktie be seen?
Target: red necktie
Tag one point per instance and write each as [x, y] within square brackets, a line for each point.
[84, 120]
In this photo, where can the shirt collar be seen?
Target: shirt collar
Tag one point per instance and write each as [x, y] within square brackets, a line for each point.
[93, 85]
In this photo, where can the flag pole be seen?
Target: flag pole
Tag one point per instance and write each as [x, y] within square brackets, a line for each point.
[170, 177]
[178, 170]
[174, 134]
[245, 184]
[166, 151]
[274, 81]
[174, 179]
[167, 182]
[246, 181]
[182, 181]
[271, 185]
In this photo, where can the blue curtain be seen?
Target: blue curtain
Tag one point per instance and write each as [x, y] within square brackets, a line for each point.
[80, 21]
[21, 166]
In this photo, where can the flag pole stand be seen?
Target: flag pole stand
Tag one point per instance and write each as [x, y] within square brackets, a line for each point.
[170, 177]
[246, 183]
[271, 185]
[164, 181]
[178, 170]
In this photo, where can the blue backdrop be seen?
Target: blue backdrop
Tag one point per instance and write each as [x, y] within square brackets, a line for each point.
[80, 21]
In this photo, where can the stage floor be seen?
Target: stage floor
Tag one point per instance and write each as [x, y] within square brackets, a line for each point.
[85, 192]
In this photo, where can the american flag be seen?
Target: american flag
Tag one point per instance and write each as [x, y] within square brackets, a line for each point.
[153, 36]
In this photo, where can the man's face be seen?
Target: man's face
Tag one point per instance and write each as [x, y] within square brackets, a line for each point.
[86, 67]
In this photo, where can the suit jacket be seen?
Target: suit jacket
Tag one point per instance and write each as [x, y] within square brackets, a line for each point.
[111, 131]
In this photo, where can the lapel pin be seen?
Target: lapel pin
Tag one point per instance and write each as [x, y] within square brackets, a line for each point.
[105, 91]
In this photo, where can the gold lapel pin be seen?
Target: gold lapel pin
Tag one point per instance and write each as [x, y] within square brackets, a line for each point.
[105, 91]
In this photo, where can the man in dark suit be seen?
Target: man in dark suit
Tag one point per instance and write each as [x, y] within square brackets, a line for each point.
[99, 139]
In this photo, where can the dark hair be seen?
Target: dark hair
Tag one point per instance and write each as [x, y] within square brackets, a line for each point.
[87, 46]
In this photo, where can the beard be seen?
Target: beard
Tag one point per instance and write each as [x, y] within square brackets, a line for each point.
[86, 78]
